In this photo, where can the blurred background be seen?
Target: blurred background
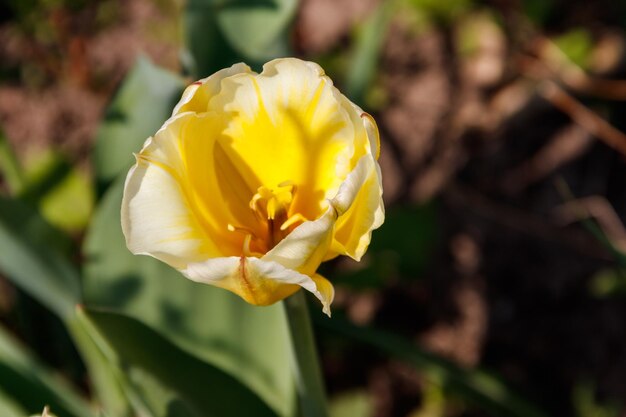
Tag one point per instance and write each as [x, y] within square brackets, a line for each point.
[496, 286]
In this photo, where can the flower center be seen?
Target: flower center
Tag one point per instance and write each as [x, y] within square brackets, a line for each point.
[271, 207]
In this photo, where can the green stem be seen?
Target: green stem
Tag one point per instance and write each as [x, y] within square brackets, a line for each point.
[309, 381]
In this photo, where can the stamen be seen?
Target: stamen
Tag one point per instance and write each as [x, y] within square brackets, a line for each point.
[246, 247]
[271, 206]
[296, 218]
[240, 229]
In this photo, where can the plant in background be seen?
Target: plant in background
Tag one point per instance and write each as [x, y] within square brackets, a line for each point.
[255, 180]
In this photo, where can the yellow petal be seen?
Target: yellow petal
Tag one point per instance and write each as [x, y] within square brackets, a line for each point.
[361, 210]
[156, 220]
[290, 124]
[257, 281]
[169, 208]
[196, 96]
[305, 247]
[372, 134]
[326, 290]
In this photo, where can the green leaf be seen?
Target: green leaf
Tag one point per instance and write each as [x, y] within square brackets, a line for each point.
[161, 400]
[250, 343]
[258, 32]
[442, 12]
[366, 50]
[577, 44]
[203, 388]
[61, 190]
[32, 258]
[10, 166]
[144, 101]
[106, 377]
[401, 248]
[538, 11]
[209, 51]
[31, 386]
[352, 404]
[220, 33]
[608, 282]
[586, 404]
[9, 408]
[480, 388]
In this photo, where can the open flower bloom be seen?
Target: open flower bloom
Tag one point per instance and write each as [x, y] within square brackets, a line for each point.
[255, 180]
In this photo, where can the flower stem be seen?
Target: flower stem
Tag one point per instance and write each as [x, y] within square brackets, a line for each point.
[309, 381]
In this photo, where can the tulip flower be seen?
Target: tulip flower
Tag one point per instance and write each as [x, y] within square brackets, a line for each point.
[255, 180]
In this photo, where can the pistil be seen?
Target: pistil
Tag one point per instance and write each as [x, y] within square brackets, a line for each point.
[272, 208]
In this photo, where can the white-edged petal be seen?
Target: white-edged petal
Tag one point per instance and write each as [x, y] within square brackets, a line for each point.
[197, 95]
[361, 210]
[372, 133]
[249, 277]
[353, 183]
[156, 220]
[305, 247]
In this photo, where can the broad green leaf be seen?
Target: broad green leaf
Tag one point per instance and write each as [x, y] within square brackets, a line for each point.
[33, 260]
[31, 257]
[208, 48]
[144, 101]
[220, 33]
[401, 248]
[352, 404]
[258, 31]
[250, 343]
[106, 377]
[204, 389]
[366, 50]
[160, 400]
[9, 408]
[480, 388]
[61, 190]
[30, 386]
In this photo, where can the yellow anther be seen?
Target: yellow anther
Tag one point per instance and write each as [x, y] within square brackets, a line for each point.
[272, 206]
[240, 229]
[273, 203]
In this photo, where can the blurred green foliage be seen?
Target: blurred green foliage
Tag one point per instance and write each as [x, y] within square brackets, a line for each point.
[577, 45]
[215, 326]
[480, 388]
[221, 33]
[142, 103]
[586, 405]
[400, 250]
[350, 404]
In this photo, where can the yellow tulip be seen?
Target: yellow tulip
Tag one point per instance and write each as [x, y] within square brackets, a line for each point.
[255, 180]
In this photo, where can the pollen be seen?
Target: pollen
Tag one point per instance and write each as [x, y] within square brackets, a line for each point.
[273, 203]
[272, 207]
